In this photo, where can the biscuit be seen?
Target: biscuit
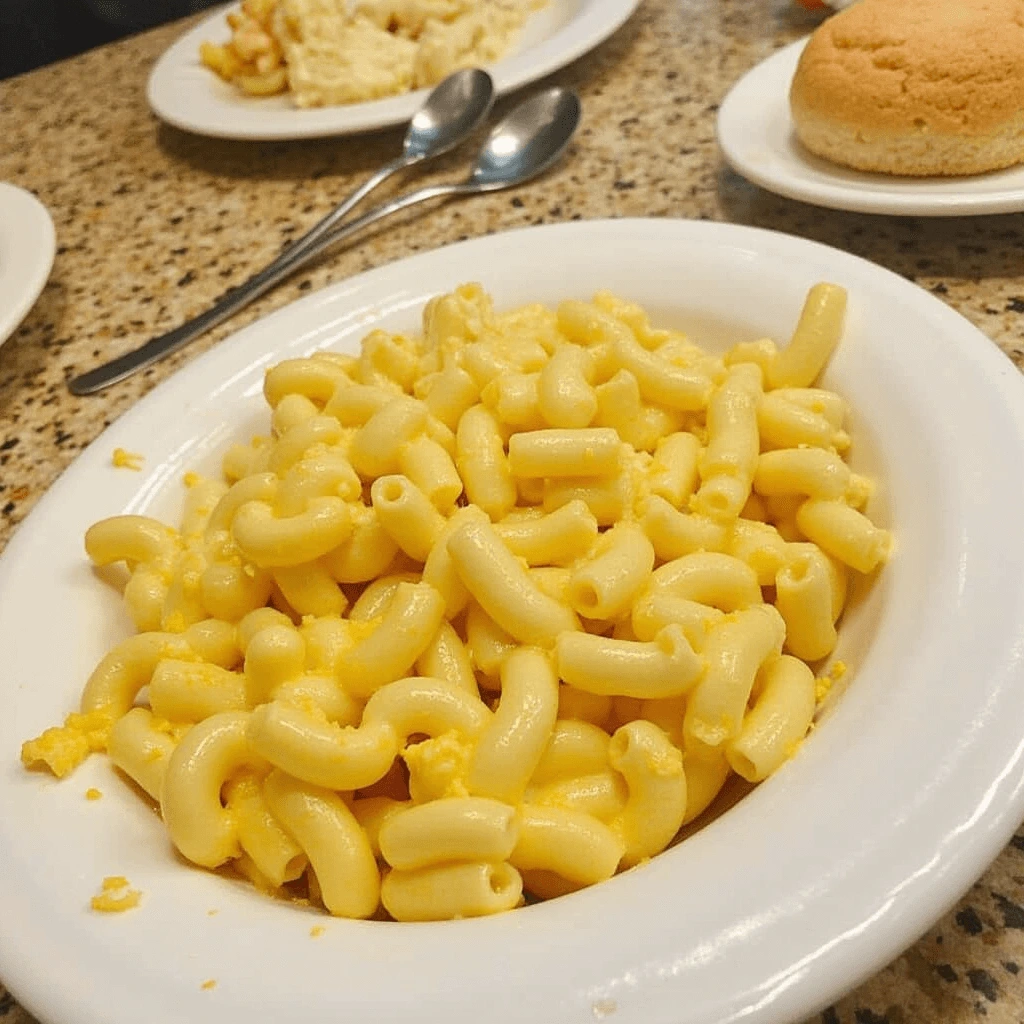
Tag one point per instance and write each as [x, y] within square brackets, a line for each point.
[915, 87]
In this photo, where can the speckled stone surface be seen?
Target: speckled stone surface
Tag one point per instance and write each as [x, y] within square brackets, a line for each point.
[152, 224]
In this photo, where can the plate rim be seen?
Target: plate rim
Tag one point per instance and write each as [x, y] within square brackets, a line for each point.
[995, 365]
[29, 205]
[598, 20]
[843, 195]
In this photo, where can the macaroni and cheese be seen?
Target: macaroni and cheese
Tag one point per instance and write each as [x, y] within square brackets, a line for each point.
[325, 52]
[489, 613]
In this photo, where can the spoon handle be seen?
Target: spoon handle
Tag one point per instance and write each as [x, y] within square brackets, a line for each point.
[310, 246]
[327, 224]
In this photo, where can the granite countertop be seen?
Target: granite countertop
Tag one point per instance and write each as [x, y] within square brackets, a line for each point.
[153, 223]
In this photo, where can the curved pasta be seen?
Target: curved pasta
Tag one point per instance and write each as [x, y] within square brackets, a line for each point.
[663, 667]
[737, 647]
[804, 598]
[273, 655]
[816, 336]
[602, 795]
[710, 578]
[451, 891]
[366, 553]
[482, 462]
[298, 439]
[209, 753]
[401, 635]
[560, 452]
[323, 753]
[189, 691]
[676, 534]
[462, 828]
[374, 451]
[277, 856]
[558, 538]
[446, 657]
[513, 742]
[565, 397]
[844, 533]
[630, 546]
[575, 748]
[777, 722]
[271, 541]
[338, 850]
[315, 379]
[125, 670]
[606, 584]
[658, 607]
[129, 539]
[653, 770]
[728, 463]
[502, 587]
[141, 749]
[572, 844]
[407, 515]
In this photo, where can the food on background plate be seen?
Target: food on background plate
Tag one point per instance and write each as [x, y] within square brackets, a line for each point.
[326, 52]
[915, 87]
[490, 613]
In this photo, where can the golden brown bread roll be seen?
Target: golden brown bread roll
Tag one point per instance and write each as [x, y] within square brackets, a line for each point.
[919, 87]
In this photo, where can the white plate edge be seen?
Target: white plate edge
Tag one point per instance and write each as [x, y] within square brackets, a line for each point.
[843, 195]
[981, 352]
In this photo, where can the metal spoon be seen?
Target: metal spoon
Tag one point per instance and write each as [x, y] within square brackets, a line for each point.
[451, 113]
[526, 143]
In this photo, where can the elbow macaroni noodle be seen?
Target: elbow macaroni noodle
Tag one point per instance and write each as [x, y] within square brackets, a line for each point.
[491, 614]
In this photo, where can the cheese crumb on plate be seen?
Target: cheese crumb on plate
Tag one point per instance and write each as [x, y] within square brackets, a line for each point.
[115, 896]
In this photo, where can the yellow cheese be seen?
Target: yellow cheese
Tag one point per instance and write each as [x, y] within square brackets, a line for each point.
[126, 460]
[116, 896]
[63, 748]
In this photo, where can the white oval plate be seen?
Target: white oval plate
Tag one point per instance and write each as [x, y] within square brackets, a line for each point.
[755, 132]
[891, 808]
[188, 95]
[27, 247]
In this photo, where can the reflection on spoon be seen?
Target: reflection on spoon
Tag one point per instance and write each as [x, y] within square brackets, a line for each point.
[523, 145]
[450, 114]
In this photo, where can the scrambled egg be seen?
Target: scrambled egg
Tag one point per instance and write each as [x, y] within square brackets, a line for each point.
[327, 52]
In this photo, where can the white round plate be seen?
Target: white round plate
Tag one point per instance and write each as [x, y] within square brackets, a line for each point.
[904, 793]
[27, 247]
[190, 96]
[756, 134]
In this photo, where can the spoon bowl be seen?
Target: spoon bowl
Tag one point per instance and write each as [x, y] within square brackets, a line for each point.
[452, 112]
[528, 141]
